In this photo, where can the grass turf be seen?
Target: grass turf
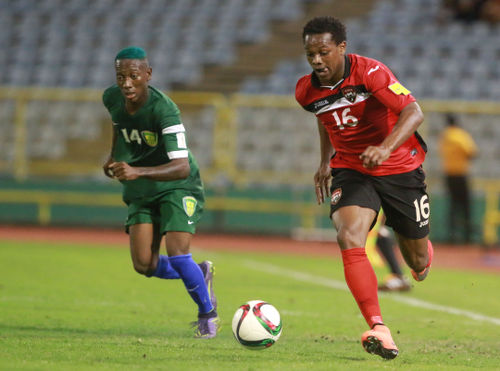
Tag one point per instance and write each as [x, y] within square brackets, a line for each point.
[79, 307]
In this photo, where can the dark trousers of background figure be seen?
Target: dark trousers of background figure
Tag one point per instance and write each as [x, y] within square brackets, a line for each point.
[459, 209]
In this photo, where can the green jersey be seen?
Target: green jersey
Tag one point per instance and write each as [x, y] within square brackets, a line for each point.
[152, 136]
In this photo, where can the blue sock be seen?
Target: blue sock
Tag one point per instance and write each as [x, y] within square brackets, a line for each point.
[193, 279]
[164, 269]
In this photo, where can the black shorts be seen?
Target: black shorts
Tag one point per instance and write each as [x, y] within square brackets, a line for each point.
[402, 196]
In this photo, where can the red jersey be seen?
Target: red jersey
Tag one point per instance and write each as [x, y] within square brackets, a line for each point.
[360, 111]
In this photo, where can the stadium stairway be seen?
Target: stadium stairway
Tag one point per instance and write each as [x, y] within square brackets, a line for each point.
[259, 59]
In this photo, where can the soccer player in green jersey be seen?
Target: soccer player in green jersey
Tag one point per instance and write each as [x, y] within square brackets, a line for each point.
[161, 183]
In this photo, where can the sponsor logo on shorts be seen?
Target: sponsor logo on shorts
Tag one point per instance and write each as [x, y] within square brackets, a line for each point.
[336, 195]
[424, 223]
[189, 204]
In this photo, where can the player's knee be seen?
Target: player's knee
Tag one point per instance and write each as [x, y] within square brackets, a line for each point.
[348, 238]
[143, 269]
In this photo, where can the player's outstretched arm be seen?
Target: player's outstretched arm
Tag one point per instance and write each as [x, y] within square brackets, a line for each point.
[174, 170]
[409, 120]
[323, 175]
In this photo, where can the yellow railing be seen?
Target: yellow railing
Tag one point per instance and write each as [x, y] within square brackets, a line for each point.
[225, 133]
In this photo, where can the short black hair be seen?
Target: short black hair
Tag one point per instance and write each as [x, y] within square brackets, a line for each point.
[319, 25]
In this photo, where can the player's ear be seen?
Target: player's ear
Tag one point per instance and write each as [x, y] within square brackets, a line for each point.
[149, 72]
[342, 47]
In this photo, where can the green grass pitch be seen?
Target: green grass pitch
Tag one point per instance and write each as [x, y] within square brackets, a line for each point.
[79, 307]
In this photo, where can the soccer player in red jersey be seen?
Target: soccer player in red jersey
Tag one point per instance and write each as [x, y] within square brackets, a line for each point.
[371, 154]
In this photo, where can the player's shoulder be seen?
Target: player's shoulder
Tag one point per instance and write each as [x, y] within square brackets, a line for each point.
[163, 108]
[162, 101]
[302, 89]
[111, 94]
[366, 65]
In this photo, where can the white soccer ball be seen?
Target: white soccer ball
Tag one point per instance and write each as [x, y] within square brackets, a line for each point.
[257, 324]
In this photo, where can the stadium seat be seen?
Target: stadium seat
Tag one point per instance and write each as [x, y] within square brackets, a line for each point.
[188, 26]
[418, 47]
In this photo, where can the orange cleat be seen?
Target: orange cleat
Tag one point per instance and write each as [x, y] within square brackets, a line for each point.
[421, 275]
[379, 341]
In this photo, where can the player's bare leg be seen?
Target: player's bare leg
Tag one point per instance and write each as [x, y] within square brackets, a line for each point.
[144, 247]
[418, 254]
[352, 224]
[178, 243]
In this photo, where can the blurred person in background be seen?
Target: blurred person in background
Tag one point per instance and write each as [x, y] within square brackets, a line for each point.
[380, 249]
[465, 10]
[385, 242]
[470, 11]
[490, 11]
[395, 280]
[372, 155]
[161, 183]
[457, 149]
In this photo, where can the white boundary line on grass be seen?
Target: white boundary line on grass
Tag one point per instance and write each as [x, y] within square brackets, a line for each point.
[327, 282]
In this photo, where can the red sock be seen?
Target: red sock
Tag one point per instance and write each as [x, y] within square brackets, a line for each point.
[362, 282]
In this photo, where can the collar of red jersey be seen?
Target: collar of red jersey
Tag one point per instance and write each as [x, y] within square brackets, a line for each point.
[347, 71]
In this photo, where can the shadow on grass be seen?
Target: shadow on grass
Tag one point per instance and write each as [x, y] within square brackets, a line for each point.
[8, 330]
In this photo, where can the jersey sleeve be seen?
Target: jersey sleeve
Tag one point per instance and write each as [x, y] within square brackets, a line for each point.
[107, 98]
[301, 91]
[172, 130]
[384, 86]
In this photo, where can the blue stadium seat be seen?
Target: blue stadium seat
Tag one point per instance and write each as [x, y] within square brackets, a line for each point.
[196, 29]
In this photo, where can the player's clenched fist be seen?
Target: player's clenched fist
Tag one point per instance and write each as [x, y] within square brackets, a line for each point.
[123, 171]
[107, 171]
[374, 156]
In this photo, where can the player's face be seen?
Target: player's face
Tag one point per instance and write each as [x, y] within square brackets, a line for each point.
[132, 77]
[325, 57]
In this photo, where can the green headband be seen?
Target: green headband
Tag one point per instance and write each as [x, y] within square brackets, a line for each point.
[131, 52]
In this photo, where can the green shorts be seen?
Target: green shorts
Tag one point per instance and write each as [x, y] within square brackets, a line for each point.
[178, 210]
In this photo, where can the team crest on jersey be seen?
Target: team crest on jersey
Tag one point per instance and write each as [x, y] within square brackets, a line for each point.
[189, 204]
[349, 93]
[336, 195]
[150, 138]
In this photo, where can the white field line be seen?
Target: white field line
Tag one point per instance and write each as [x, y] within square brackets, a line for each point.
[327, 282]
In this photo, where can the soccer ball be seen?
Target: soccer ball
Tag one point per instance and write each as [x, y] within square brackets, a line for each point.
[257, 325]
